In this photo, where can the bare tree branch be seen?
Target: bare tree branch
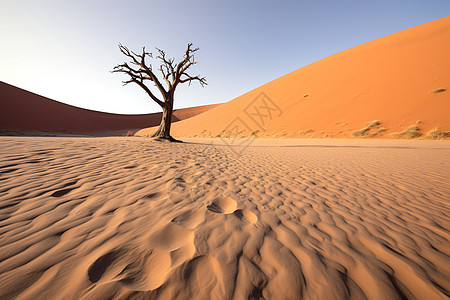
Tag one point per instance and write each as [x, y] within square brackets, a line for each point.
[187, 58]
[201, 80]
[173, 74]
[139, 60]
[166, 75]
[168, 63]
[137, 77]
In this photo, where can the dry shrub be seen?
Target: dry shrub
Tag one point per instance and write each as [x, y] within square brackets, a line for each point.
[436, 91]
[411, 132]
[367, 130]
[380, 130]
[130, 133]
[436, 134]
[303, 132]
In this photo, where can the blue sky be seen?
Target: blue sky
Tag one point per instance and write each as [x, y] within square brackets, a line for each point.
[64, 50]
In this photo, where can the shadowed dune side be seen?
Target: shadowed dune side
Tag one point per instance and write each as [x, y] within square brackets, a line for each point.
[397, 79]
[22, 111]
[114, 218]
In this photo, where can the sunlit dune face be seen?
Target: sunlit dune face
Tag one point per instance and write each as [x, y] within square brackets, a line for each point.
[398, 80]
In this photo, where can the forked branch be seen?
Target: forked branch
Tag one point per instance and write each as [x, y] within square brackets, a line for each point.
[172, 73]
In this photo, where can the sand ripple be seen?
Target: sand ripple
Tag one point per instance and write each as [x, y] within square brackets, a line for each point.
[118, 218]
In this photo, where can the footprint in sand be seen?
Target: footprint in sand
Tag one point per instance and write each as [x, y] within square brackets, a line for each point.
[179, 189]
[177, 184]
[223, 206]
[229, 206]
[246, 215]
[175, 189]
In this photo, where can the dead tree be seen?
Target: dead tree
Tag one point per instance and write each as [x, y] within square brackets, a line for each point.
[172, 73]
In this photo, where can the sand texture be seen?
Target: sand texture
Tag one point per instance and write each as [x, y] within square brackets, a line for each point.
[135, 218]
[397, 80]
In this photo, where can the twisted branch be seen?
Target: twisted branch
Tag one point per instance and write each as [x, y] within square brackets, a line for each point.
[172, 73]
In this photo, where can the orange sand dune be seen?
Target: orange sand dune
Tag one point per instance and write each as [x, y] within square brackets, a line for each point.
[22, 111]
[134, 218]
[390, 79]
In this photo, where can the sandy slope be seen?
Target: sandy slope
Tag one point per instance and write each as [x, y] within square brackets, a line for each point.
[103, 218]
[390, 79]
[23, 111]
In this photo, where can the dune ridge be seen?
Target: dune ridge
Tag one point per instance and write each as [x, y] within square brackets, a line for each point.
[23, 112]
[400, 80]
[131, 218]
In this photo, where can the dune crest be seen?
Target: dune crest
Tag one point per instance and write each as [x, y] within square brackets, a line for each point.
[25, 113]
[399, 80]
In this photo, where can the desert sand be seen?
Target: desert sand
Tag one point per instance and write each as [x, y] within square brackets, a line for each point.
[220, 217]
[26, 113]
[135, 218]
[400, 80]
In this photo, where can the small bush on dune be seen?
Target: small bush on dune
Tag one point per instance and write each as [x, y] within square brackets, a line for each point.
[437, 134]
[380, 130]
[411, 132]
[365, 131]
[303, 132]
[436, 91]
[130, 133]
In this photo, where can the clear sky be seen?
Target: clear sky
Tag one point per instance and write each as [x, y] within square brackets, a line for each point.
[65, 49]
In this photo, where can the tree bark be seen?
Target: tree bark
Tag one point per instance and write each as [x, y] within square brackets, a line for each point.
[163, 131]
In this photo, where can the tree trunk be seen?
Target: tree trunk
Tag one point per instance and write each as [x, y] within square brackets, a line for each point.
[163, 131]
